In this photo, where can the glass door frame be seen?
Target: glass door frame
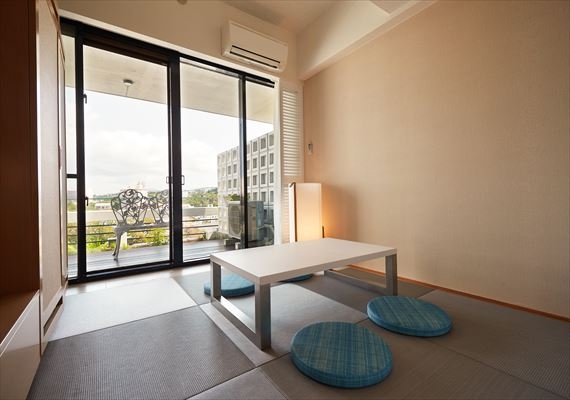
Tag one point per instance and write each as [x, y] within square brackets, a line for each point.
[110, 41]
[243, 78]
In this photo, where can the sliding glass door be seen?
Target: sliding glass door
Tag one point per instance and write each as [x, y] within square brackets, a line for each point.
[215, 215]
[126, 160]
[210, 160]
[262, 172]
[170, 158]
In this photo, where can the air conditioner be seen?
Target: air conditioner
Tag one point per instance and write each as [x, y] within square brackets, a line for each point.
[255, 219]
[252, 47]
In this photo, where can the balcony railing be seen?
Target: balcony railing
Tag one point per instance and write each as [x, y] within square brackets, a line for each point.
[201, 237]
[100, 235]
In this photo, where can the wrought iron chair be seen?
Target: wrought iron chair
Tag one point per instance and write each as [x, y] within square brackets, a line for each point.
[130, 208]
[159, 207]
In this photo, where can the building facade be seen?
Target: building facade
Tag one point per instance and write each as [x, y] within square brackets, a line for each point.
[261, 176]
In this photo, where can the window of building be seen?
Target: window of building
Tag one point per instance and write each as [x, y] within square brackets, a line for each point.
[255, 163]
[263, 143]
[229, 183]
[229, 169]
[235, 183]
[254, 180]
[271, 158]
[263, 196]
[255, 196]
[271, 140]
[234, 154]
[249, 148]
[262, 161]
[262, 179]
[248, 164]
[235, 168]
[271, 177]
[271, 196]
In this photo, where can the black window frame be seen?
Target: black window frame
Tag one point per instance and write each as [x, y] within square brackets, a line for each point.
[85, 34]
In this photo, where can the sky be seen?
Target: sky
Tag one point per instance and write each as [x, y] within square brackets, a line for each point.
[126, 143]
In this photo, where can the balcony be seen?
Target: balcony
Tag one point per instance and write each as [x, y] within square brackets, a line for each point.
[201, 237]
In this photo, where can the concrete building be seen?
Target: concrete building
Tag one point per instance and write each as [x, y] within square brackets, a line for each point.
[261, 171]
[261, 178]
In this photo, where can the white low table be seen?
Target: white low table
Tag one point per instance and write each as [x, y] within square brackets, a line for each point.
[266, 265]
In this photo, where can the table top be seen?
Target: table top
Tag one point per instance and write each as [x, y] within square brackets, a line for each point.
[269, 264]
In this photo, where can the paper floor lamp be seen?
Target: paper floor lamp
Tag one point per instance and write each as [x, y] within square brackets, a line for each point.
[305, 213]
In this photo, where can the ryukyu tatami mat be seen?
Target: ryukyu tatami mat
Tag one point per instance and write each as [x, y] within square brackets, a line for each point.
[525, 345]
[421, 370]
[171, 356]
[86, 312]
[194, 285]
[252, 385]
[343, 292]
[292, 308]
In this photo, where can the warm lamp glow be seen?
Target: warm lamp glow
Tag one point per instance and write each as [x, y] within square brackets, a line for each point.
[305, 214]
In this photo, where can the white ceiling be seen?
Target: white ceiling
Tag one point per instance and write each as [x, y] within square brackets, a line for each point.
[296, 15]
[201, 89]
[293, 15]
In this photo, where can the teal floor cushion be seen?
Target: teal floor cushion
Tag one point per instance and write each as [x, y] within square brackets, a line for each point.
[341, 354]
[409, 316]
[233, 285]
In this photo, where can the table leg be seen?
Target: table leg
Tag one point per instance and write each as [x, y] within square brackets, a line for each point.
[258, 329]
[392, 275]
[263, 316]
[215, 281]
[391, 288]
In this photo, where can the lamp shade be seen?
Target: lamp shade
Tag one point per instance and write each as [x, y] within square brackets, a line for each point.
[305, 213]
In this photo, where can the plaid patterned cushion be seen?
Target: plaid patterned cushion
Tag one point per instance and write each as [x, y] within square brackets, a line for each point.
[233, 285]
[409, 316]
[341, 354]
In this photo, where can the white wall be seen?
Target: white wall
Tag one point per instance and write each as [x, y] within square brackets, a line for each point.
[193, 28]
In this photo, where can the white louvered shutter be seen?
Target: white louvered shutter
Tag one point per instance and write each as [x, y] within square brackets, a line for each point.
[291, 150]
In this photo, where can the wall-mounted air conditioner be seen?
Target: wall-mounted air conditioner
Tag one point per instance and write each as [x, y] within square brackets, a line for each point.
[255, 219]
[252, 47]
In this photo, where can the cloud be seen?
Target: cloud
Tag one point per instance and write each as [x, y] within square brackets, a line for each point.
[126, 142]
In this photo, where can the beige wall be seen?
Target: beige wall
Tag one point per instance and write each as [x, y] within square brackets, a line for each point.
[193, 28]
[448, 138]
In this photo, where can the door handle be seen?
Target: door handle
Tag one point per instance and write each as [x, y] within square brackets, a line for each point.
[86, 201]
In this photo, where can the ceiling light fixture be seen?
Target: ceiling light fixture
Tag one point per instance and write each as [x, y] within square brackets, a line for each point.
[128, 83]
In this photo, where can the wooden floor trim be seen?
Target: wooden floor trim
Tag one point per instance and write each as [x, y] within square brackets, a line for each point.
[473, 296]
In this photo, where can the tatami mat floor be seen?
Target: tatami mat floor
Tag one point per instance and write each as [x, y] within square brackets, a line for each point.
[156, 336]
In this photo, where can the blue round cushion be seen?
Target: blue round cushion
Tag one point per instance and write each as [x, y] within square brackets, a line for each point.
[341, 354]
[233, 285]
[298, 278]
[409, 316]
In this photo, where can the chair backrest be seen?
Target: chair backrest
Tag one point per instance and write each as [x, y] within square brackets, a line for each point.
[159, 206]
[129, 207]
